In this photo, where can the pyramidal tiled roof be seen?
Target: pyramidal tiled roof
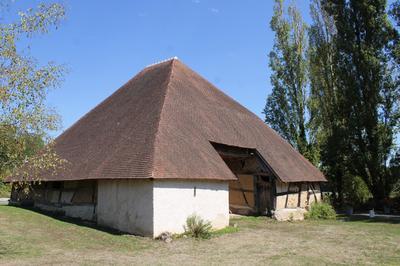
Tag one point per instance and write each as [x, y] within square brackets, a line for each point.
[160, 125]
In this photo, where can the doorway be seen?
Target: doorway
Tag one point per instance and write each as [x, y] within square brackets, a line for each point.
[252, 192]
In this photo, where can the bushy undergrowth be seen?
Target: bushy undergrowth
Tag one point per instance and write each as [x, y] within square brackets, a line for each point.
[321, 211]
[356, 192]
[197, 227]
[5, 190]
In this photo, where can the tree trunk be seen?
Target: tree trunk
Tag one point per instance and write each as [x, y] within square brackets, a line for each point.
[378, 196]
[339, 187]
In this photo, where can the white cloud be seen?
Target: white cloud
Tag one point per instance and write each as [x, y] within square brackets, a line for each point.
[214, 10]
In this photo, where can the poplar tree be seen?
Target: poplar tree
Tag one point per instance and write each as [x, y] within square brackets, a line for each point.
[286, 107]
[366, 80]
[325, 99]
[395, 14]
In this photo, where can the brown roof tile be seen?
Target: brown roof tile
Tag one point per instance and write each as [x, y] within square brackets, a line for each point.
[160, 124]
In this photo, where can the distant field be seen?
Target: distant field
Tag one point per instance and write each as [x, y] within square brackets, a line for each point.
[27, 238]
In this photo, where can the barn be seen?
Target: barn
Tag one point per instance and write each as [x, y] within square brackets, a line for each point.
[169, 144]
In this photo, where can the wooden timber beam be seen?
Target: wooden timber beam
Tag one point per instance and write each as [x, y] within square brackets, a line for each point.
[287, 195]
[315, 195]
[234, 155]
[299, 198]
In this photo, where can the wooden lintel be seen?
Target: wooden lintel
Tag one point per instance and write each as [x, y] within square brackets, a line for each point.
[226, 154]
[262, 174]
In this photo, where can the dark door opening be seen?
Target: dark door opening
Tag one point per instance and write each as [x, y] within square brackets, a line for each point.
[263, 194]
[252, 192]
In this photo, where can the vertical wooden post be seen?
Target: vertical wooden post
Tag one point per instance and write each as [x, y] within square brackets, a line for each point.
[273, 193]
[299, 198]
[287, 195]
[315, 196]
[61, 191]
[256, 192]
[320, 192]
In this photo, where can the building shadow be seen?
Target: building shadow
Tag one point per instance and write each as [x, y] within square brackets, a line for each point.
[76, 221]
[390, 219]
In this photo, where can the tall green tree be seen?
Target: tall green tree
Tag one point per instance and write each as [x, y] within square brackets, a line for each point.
[395, 14]
[286, 107]
[366, 80]
[326, 116]
[395, 11]
[25, 119]
[326, 105]
[395, 169]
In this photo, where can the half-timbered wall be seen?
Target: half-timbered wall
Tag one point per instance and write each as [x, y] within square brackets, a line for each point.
[294, 195]
[73, 198]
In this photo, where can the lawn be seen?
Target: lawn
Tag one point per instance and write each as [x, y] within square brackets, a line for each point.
[28, 237]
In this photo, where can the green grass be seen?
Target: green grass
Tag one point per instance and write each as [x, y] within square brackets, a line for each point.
[25, 233]
[214, 233]
[227, 230]
[28, 237]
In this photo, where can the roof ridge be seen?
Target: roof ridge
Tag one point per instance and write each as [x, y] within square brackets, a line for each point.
[161, 61]
[161, 110]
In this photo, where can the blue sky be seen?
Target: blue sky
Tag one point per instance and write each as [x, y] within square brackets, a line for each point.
[105, 43]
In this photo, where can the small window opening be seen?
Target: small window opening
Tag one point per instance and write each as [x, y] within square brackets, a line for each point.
[194, 192]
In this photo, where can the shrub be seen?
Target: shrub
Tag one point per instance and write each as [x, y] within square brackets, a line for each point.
[356, 191]
[291, 218]
[5, 190]
[197, 227]
[321, 211]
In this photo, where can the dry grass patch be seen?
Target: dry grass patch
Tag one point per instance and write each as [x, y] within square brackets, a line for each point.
[27, 237]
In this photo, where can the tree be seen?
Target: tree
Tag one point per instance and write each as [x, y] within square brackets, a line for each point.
[395, 171]
[366, 80]
[326, 116]
[395, 14]
[286, 107]
[25, 120]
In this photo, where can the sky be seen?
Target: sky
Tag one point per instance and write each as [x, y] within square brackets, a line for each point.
[105, 43]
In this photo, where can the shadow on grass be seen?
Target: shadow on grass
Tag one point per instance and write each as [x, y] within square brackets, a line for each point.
[7, 252]
[366, 219]
[76, 221]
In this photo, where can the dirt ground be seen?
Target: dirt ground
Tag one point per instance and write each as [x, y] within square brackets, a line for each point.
[31, 238]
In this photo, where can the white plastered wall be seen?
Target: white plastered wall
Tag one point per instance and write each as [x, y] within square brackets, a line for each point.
[126, 205]
[175, 200]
